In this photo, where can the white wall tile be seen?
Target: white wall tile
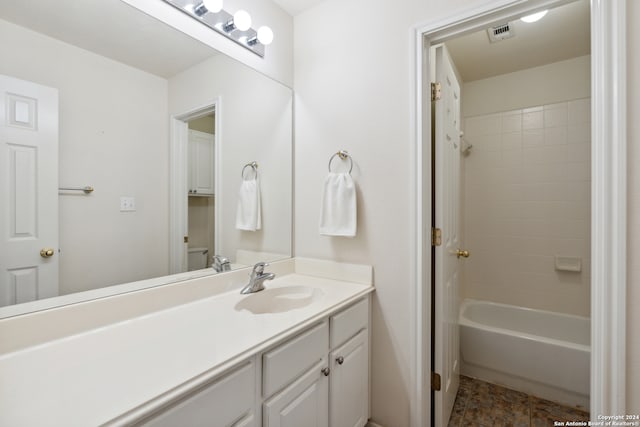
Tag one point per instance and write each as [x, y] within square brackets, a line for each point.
[545, 154]
[579, 171]
[533, 120]
[555, 135]
[555, 115]
[511, 140]
[579, 134]
[579, 152]
[579, 111]
[512, 121]
[533, 137]
[526, 200]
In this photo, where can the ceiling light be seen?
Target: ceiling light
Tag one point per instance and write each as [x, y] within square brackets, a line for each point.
[534, 17]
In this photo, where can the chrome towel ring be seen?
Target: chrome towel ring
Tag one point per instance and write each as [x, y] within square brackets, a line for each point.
[343, 154]
[253, 165]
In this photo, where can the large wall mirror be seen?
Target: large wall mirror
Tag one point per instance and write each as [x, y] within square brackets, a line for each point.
[160, 126]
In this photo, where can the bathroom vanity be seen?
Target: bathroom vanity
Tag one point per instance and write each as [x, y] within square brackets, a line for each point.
[296, 353]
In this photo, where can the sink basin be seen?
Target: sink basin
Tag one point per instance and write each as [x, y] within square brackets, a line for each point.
[278, 300]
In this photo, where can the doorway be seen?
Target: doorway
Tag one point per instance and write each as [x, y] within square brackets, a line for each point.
[608, 124]
[195, 144]
[201, 193]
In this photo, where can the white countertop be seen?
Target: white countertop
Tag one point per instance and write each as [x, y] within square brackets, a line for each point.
[97, 375]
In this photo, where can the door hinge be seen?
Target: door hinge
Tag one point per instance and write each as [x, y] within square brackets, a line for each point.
[435, 381]
[186, 239]
[436, 237]
[436, 91]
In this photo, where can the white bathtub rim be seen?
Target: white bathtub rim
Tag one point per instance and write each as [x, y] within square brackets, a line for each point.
[464, 321]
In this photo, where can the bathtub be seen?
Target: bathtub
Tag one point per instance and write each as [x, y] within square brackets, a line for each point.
[539, 352]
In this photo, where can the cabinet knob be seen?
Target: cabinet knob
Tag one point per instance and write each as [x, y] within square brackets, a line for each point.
[326, 371]
[340, 360]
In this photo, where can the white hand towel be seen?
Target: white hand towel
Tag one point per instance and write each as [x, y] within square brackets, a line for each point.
[338, 211]
[248, 213]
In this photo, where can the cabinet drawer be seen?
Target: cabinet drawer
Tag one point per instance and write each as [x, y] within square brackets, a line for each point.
[349, 322]
[221, 403]
[287, 362]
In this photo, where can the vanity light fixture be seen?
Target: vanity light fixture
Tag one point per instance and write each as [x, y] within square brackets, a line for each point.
[236, 27]
[534, 17]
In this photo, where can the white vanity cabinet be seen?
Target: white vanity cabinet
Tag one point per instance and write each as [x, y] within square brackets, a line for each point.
[226, 402]
[201, 163]
[325, 371]
[318, 378]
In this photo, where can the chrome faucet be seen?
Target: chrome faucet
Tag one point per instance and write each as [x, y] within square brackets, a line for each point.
[221, 264]
[257, 278]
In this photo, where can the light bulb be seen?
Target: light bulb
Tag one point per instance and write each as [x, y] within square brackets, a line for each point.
[213, 6]
[534, 17]
[265, 35]
[242, 20]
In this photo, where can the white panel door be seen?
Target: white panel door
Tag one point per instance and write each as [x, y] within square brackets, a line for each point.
[201, 162]
[29, 191]
[447, 218]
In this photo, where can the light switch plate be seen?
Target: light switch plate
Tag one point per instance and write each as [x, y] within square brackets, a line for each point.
[127, 204]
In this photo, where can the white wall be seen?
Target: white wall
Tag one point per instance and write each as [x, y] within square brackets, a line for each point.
[255, 124]
[633, 246]
[547, 84]
[278, 60]
[353, 78]
[113, 135]
[353, 91]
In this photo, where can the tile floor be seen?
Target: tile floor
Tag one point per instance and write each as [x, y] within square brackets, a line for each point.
[481, 404]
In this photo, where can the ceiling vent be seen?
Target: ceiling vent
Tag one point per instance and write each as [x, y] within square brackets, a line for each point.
[500, 32]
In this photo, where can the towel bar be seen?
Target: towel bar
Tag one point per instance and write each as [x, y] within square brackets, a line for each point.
[88, 189]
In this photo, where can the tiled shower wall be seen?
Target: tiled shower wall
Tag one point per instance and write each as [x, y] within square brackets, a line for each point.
[526, 199]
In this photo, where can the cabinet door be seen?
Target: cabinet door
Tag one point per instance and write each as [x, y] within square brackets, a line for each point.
[201, 163]
[349, 383]
[303, 403]
[226, 402]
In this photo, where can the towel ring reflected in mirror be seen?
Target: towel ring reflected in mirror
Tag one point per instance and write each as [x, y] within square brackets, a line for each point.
[253, 165]
[343, 154]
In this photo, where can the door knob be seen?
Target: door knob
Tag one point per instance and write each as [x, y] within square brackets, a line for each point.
[462, 253]
[46, 252]
[325, 371]
[340, 360]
